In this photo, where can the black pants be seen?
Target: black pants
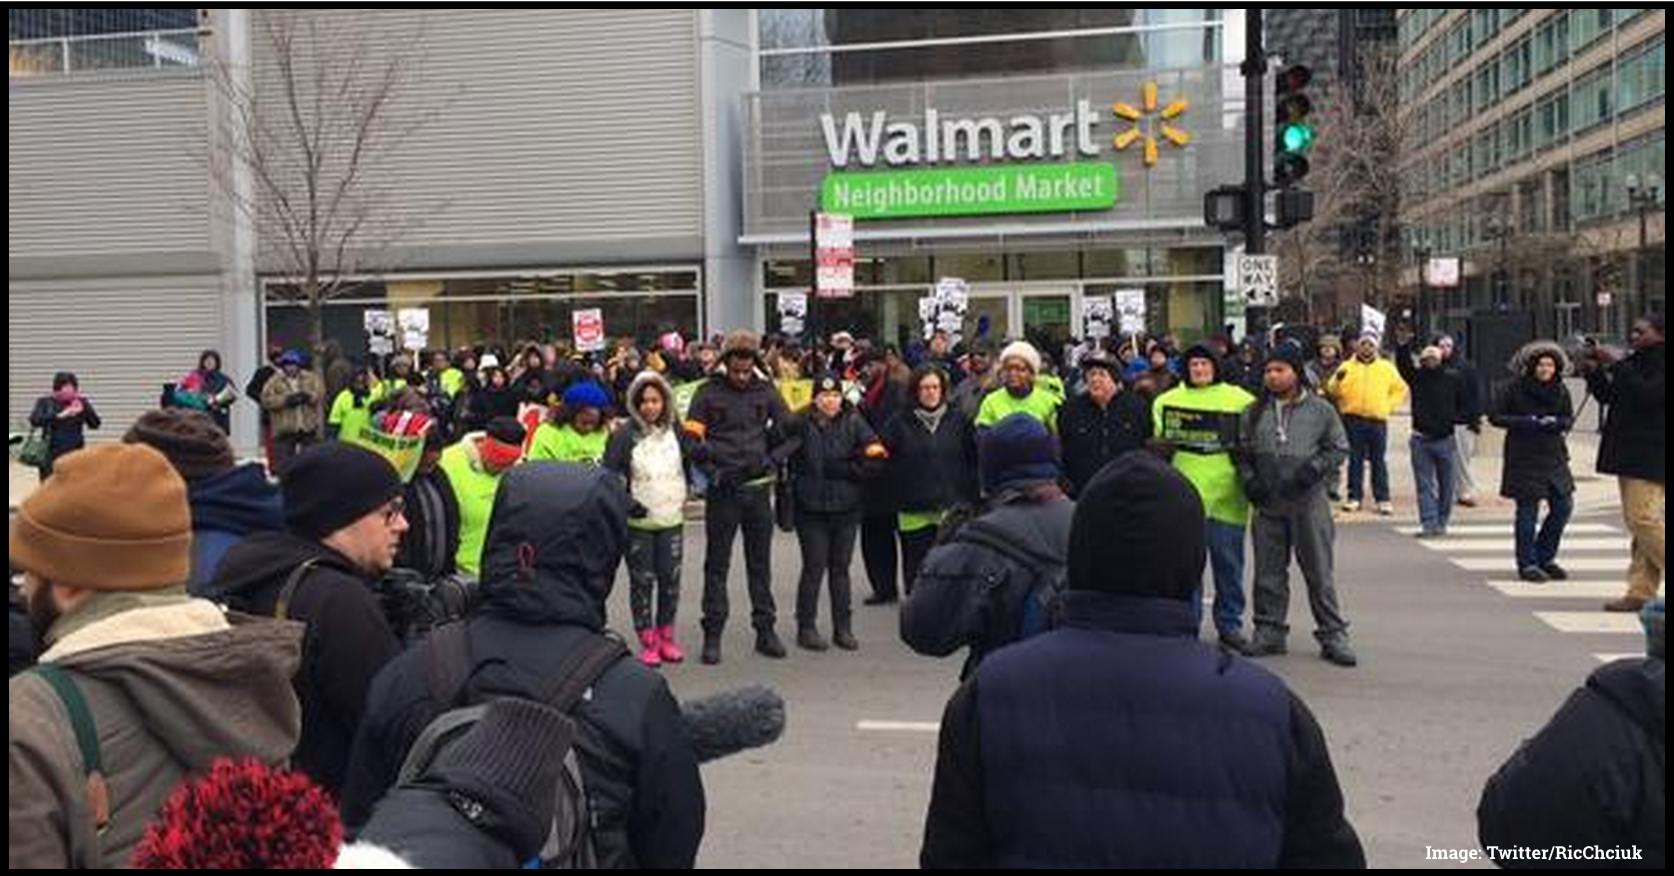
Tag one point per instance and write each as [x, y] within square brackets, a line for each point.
[877, 551]
[724, 513]
[827, 542]
[286, 447]
[654, 567]
[914, 546]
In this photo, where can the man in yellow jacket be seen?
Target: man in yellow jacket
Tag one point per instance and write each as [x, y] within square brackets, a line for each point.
[1366, 389]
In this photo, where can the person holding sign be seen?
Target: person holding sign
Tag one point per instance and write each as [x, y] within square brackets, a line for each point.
[1197, 423]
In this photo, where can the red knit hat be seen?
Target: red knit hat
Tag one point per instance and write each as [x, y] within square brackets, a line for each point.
[243, 816]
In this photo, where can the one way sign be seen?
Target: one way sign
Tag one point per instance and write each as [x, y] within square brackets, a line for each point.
[1258, 279]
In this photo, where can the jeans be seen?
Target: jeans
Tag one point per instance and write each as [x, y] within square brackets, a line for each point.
[1368, 441]
[1226, 560]
[1432, 474]
[1540, 549]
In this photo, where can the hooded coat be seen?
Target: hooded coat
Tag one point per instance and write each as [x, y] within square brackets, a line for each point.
[557, 536]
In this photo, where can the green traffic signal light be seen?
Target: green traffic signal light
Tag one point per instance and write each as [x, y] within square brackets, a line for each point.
[1296, 137]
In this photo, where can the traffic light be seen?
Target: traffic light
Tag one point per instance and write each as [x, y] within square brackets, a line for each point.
[1293, 129]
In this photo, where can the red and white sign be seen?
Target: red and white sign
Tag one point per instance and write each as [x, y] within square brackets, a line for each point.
[833, 255]
[589, 330]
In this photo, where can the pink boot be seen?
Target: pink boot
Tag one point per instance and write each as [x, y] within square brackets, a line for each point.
[650, 653]
[668, 649]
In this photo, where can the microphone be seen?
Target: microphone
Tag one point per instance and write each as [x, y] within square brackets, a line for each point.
[733, 720]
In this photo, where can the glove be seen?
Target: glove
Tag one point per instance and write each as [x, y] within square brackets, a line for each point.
[1300, 481]
[1258, 490]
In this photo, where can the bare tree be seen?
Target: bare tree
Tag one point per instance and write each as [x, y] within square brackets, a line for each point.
[1356, 184]
[329, 99]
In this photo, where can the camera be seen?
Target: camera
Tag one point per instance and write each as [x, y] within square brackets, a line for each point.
[415, 604]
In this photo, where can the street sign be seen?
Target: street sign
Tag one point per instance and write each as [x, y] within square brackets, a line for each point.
[833, 255]
[1258, 279]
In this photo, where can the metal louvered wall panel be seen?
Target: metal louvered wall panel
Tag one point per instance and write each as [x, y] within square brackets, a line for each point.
[555, 132]
[107, 165]
[123, 338]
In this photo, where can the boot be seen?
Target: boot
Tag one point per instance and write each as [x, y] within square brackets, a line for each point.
[650, 649]
[667, 648]
[843, 637]
[768, 644]
[711, 648]
[809, 639]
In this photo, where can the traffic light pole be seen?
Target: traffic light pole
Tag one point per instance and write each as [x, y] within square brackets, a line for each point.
[1254, 69]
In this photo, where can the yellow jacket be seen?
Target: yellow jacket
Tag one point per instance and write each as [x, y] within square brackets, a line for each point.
[1366, 389]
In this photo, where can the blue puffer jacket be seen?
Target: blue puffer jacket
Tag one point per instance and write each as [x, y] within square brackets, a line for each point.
[1120, 740]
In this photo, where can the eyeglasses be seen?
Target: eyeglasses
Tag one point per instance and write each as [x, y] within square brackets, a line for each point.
[397, 508]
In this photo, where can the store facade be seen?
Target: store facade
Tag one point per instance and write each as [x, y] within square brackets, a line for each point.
[1041, 160]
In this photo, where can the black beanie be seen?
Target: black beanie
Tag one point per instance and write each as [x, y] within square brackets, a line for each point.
[1138, 531]
[194, 445]
[1018, 448]
[1285, 352]
[510, 762]
[506, 430]
[331, 485]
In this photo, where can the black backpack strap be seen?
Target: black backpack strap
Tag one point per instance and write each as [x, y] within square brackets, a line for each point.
[87, 738]
[580, 669]
[287, 593]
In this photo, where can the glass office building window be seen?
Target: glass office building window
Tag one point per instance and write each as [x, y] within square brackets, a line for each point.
[821, 48]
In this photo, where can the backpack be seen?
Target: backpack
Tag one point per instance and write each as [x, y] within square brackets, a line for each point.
[1033, 609]
[570, 841]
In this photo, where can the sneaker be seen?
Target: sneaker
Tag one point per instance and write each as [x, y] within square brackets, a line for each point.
[1266, 646]
[1339, 653]
[768, 644]
[843, 638]
[650, 654]
[1466, 501]
[1533, 575]
[1386, 509]
[711, 649]
[1554, 571]
[1625, 604]
[1234, 641]
[1351, 506]
[667, 648]
[1430, 533]
[807, 638]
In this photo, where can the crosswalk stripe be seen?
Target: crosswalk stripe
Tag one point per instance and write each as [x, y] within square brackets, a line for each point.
[1612, 658]
[1506, 527]
[1559, 589]
[1485, 545]
[1591, 622]
[1507, 566]
[899, 726]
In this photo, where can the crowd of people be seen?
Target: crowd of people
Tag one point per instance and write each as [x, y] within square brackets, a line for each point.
[192, 612]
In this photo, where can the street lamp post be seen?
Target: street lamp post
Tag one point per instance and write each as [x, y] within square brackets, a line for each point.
[1642, 197]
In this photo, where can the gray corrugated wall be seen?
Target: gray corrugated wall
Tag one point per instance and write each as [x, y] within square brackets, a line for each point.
[558, 135]
[110, 270]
